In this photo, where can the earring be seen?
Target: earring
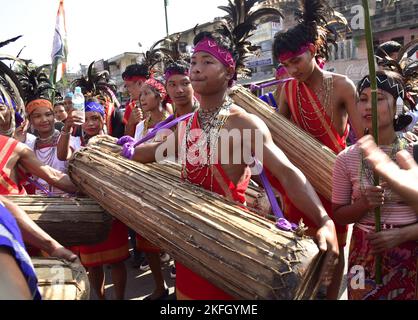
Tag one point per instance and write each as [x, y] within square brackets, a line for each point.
[399, 107]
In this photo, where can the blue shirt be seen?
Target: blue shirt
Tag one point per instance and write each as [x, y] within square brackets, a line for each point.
[11, 238]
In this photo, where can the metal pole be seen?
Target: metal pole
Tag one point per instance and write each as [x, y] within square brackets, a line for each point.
[166, 16]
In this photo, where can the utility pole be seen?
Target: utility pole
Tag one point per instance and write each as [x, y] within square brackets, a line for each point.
[166, 16]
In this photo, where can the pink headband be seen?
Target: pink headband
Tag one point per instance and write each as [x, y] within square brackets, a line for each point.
[290, 54]
[210, 46]
[169, 73]
[157, 86]
[281, 71]
[224, 56]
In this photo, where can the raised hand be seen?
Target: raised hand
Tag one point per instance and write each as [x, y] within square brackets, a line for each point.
[21, 132]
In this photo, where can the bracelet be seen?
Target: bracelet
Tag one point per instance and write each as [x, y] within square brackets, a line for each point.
[65, 133]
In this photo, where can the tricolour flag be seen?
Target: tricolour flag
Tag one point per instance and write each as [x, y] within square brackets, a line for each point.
[59, 47]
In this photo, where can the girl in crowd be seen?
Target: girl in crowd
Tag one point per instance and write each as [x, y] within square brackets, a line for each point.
[355, 197]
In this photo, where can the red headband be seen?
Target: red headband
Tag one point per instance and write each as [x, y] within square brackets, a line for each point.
[157, 86]
[135, 78]
[290, 54]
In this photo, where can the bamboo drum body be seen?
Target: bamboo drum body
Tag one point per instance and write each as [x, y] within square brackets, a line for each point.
[61, 280]
[70, 221]
[240, 252]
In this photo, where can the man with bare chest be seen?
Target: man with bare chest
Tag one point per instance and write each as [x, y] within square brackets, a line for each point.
[209, 159]
[317, 101]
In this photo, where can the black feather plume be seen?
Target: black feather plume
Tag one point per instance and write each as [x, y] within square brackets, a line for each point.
[160, 54]
[97, 84]
[323, 24]
[35, 82]
[407, 67]
[5, 43]
[242, 19]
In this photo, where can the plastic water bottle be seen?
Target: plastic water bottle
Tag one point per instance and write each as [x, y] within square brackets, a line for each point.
[78, 105]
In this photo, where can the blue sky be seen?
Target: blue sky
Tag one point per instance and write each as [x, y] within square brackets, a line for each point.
[97, 29]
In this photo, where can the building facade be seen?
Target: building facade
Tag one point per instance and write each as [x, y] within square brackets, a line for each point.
[391, 20]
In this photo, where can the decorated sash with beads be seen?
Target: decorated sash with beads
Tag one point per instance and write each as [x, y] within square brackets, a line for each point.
[308, 114]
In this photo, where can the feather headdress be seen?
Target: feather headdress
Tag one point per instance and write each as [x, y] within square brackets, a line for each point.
[158, 55]
[35, 82]
[407, 66]
[318, 23]
[239, 25]
[11, 91]
[97, 84]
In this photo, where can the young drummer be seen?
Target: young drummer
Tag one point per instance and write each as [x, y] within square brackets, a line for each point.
[212, 72]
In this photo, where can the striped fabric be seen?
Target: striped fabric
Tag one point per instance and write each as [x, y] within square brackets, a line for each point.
[346, 188]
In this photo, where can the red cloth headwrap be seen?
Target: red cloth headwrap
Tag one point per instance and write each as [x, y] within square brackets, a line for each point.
[290, 54]
[135, 78]
[157, 86]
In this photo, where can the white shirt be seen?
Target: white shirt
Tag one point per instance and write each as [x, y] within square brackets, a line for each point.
[49, 157]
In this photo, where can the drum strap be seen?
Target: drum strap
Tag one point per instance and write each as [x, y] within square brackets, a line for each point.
[166, 124]
[282, 223]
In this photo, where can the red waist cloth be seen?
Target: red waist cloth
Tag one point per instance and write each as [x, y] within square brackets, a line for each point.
[113, 250]
[302, 100]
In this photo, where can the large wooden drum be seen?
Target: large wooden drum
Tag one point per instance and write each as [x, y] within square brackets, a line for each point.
[241, 252]
[70, 221]
[61, 280]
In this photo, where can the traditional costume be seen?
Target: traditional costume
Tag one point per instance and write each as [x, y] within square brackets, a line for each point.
[7, 185]
[201, 169]
[200, 165]
[352, 174]
[142, 129]
[399, 265]
[47, 152]
[115, 248]
[306, 109]
[10, 97]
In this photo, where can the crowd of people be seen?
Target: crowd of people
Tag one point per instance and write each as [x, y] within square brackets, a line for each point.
[192, 95]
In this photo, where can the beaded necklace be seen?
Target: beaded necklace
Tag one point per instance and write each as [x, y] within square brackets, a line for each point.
[307, 117]
[49, 154]
[211, 123]
[149, 122]
[367, 173]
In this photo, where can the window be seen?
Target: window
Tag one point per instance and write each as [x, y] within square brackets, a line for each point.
[346, 50]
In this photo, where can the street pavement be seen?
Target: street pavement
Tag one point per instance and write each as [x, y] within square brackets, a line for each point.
[140, 283]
